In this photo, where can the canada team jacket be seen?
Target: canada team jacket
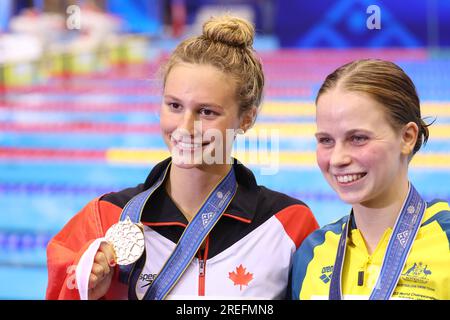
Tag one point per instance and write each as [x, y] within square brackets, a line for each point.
[248, 253]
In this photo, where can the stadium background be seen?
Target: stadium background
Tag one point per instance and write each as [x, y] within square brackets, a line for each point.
[79, 99]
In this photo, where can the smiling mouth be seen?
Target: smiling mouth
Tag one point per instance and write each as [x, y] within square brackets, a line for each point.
[349, 178]
[185, 145]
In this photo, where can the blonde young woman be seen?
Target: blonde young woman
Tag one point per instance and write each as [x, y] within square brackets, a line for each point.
[393, 244]
[208, 228]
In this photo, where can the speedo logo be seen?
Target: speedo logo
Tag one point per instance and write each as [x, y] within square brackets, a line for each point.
[147, 279]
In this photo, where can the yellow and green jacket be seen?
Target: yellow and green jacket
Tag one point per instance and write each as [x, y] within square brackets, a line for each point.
[426, 274]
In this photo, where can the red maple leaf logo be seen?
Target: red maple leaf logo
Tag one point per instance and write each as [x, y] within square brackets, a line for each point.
[240, 277]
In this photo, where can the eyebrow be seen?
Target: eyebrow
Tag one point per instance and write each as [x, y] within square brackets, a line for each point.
[212, 104]
[353, 131]
[317, 134]
[347, 133]
[171, 97]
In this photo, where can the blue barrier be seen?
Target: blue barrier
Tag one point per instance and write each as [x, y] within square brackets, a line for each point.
[140, 16]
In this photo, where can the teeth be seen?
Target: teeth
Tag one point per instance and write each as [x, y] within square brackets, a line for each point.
[349, 178]
[185, 145]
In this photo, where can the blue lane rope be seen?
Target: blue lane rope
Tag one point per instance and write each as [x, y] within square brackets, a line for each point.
[49, 188]
[15, 241]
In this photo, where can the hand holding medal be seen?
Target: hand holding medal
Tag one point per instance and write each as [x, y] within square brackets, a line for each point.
[123, 244]
[102, 271]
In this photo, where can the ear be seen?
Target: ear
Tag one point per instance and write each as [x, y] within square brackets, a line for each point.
[410, 133]
[248, 118]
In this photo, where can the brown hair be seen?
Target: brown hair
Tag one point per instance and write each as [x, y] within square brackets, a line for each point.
[388, 84]
[226, 43]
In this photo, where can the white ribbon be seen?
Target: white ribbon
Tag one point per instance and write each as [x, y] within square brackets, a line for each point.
[84, 267]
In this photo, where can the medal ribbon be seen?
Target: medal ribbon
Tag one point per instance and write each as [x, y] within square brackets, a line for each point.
[133, 210]
[191, 239]
[399, 246]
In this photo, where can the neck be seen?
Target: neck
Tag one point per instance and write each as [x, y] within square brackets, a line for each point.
[373, 221]
[190, 187]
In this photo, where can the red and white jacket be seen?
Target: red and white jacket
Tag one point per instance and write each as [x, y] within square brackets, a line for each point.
[248, 253]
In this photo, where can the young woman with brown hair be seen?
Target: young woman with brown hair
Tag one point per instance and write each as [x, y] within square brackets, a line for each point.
[208, 228]
[393, 244]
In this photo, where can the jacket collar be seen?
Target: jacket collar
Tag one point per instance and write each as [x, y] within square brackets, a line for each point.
[241, 208]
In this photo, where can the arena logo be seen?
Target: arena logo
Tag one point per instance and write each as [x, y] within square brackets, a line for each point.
[73, 21]
[326, 274]
[212, 146]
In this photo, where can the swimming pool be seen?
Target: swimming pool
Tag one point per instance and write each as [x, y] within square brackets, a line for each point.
[61, 146]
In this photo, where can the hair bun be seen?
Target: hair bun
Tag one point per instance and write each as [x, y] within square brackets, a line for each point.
[229, 30]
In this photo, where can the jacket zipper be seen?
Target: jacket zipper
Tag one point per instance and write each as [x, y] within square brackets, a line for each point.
[202, 257]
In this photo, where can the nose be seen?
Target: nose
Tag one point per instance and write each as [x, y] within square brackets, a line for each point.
[340, 156]
[189, 124]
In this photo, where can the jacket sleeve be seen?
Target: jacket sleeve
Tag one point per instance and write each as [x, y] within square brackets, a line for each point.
[298, 222]
[66, 248]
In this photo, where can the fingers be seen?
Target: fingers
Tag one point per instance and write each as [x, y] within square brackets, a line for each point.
[93, 281]
[100, 270]
[98, 273]
[104, 261]
[109, 254]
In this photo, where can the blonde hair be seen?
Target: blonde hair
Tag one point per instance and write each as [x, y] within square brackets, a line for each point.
[227, 44]
[389, 85]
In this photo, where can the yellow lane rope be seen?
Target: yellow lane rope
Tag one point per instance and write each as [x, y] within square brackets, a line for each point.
[283, 158]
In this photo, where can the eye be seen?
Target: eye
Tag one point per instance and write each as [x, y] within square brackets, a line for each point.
[326, 141]
[208, 112]
[359, 139]
[174, 106]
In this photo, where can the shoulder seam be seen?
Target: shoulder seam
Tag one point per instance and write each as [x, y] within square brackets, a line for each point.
[96, 212]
